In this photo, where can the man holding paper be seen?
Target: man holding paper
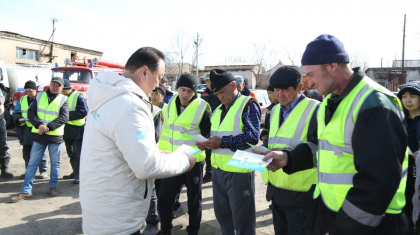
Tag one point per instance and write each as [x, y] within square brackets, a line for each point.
[291, 195]
[234, 124]
[186, 115]
[362, 144]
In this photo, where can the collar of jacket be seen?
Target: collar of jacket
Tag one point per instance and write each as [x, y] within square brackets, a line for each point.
[245, 91]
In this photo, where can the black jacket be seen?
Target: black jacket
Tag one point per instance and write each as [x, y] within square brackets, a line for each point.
[23, 132]
[70, 131]
[212, 99]
[62, 119]
[379, 142]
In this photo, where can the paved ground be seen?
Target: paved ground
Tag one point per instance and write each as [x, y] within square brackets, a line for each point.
[62, 214]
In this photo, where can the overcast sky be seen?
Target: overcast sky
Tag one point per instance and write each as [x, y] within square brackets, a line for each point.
[230, 29]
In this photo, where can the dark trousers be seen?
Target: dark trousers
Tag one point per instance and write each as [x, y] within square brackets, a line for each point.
[73, 155]
[172, 186]
[288, 220]
[234, 202]
[153, 215]
[208, 160]
[3, 139]
[26, 153]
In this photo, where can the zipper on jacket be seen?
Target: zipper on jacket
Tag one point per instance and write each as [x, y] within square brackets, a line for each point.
[145, 191]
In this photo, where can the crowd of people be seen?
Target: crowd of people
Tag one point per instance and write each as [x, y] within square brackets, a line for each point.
[346, 165]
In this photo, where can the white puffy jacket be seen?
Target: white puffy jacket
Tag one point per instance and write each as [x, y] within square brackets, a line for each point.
[119, 159]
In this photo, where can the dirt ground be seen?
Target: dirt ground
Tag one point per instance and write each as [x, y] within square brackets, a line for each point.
[62, 215]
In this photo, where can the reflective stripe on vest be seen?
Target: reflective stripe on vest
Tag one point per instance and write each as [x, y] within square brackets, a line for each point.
[177, 129]
[231, 125]
[336, 157]
[293, 131]
[72, 107]
[48, 112]
[24, 110]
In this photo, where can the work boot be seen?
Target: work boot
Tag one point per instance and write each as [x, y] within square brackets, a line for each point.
[53, 192]
[207, 177]
[20, 197]
[151, 229]
[71, 176]
[5, 173]
[76, 179]
[43, 175]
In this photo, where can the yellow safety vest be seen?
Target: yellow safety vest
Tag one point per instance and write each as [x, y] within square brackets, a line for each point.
[231, 125]
[49, 112]
[177, 130]
[24, 109]
[292, 132]
[336, 157]
[72, 107]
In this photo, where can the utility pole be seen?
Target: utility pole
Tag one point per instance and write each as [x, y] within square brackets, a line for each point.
[196, 55]
[52, 40]
[402, 65]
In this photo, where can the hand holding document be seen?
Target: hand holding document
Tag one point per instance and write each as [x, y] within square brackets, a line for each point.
[199, 138]
[247, 160]
[260, 148]
[187, 149]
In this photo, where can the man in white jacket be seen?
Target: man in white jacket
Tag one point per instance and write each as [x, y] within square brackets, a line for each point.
[119, 159]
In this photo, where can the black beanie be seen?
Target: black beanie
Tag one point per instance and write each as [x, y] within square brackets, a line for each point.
[270, 88]
[286, 76]
[324, 49]
[219, 79]
[160, 89]
[187, 80]
[30, 84]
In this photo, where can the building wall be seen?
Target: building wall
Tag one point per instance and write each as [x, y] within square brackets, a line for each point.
[9, 42]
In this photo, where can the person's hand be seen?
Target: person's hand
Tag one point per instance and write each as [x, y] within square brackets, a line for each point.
[214, 142]
[414, 155]
[201, 145]
[42, 129]
[165, 152]
[192, 161]
[263, 138]
[279, 160]
[21, 120]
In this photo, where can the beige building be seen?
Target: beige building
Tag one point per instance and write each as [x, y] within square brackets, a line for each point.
[19, 49]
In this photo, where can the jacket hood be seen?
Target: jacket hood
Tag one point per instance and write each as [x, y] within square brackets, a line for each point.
[108, 85]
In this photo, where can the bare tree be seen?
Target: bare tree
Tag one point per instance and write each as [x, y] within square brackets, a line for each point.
[265, 57]
[357, 60]
[180, 49]
[198, 52]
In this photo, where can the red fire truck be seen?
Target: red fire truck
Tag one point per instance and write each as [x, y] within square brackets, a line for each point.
[78, 72]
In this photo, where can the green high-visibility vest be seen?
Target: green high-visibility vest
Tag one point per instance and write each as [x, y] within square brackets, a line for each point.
[231, 125]
[336, 157]
[292, 131]
[72, 107]
[177, 129]
[49, 112]
[24, 109]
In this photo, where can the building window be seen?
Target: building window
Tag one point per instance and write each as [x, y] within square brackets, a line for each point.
[26, 54]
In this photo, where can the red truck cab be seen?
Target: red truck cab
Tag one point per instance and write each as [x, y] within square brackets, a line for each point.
[78, 72]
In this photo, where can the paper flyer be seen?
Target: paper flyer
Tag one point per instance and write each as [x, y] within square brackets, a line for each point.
[259, 148]
[187, 149]
[247, 160]
[199, 138]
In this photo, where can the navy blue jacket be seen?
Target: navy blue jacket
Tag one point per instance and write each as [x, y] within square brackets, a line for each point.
[70, 131]
[63, 118]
